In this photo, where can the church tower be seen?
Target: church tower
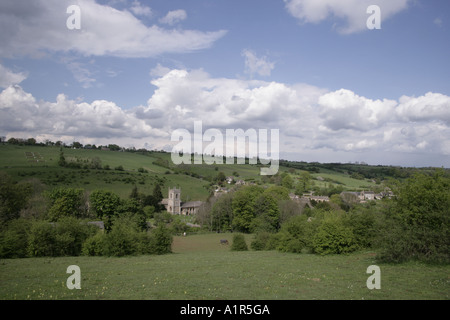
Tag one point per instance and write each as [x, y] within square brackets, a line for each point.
[174, 201]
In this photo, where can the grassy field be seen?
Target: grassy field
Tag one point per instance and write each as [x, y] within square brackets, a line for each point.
[201, 268]
[41, 163]
[28, 162]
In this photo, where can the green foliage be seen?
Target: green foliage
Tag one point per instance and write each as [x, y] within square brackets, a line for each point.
[122, 239]
[294, 235]
[62, 238]
[42, 239]
[66, 202]
[417, 226]
[126, 238]
[244, 207]
[287, 182]
[104, 203]
[222, 213]
[160, 241]
[14, 239]
[364, 221]
[333, 237]
[93, 246]
[260, 241]
[279, 193]
[239, 243]
[267, 214]
[62, 160]
[13, 197]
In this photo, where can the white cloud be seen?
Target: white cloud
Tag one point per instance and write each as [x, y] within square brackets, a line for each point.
[343, 109]
[226, 102]
[138, 9]
[314, 123]
[40, 28]
[253, 64]
[431, 106]
[353, 12]
[173, 17]
[21, 113]
[8, 77]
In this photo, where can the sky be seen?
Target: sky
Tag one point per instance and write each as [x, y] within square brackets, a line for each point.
[340, 82]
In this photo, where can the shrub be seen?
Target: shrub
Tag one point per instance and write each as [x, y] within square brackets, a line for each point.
[94, 245]
[66, 202]
[71, 233]
[261, 241]
[62, 238]
[14, 239]
[126, 238]
[160, 241]
[42, 239]
[239, 243]
[294, 235]
[121, 240]
[417, 224]
[333, 236]
[363, 224]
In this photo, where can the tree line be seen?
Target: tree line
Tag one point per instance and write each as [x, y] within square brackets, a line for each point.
[412, 225]
[35, 222]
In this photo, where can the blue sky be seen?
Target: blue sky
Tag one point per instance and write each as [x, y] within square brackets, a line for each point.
[137, 70]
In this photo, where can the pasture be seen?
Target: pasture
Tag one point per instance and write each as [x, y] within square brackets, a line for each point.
[200, 268]
[36, 162]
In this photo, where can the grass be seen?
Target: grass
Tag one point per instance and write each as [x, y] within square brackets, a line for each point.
[24, 162]
[18, 161]
[200, 268]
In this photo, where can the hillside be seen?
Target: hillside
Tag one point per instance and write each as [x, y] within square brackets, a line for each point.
[119, 171]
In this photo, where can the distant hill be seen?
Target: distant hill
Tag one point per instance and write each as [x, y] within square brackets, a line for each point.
[119, 171]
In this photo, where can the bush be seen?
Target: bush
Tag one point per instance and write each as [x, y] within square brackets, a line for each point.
[14, 239]
[125, 238]
[294, 235]
[160, 241]
[94, 245]
[417, 223]
[333, 237]
[42, 239]
[261, 241]
[122, 239]
[363, 224]
[62, 238]
[66, 202]
[71, 233]
[239, 243]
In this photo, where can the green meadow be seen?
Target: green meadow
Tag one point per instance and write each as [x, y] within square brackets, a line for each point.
[200, 268]
[36, 162]
[41, 162]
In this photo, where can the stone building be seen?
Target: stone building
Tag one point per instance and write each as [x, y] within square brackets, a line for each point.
[174, 205]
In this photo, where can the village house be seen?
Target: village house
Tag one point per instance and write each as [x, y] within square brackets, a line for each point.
[366, 195]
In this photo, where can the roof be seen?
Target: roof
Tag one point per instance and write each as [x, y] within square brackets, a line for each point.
[191, 204]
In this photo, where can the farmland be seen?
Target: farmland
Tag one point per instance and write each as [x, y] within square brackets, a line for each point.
[202, 269]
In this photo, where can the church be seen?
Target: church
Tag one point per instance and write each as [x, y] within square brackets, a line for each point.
[174, 205]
